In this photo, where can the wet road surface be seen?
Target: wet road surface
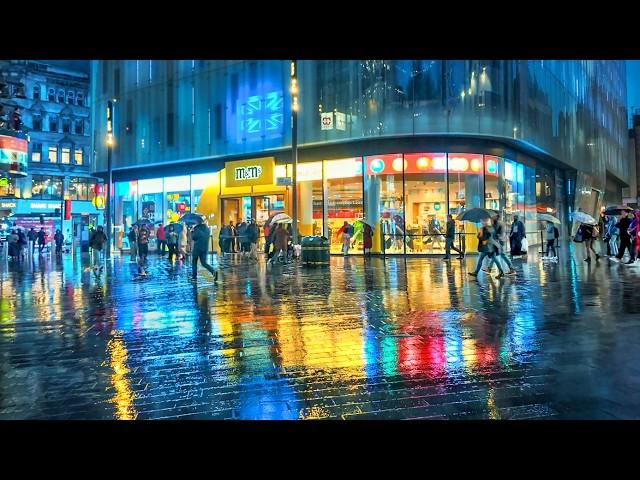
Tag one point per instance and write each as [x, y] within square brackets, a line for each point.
[394, 339]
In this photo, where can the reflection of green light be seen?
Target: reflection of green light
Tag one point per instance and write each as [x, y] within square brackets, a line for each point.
[436, 206]
[389, 356]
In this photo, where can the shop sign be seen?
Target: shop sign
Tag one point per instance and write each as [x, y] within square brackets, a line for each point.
[326, 121]
[283, 181]
[8, 204]
[13, 154]
[44, 206]
[341, 121]
[256, 171]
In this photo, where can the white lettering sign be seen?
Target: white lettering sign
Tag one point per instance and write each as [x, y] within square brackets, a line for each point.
[248, 173]
[46, 206]
[7, 205]
[326, 121]
[341, 121]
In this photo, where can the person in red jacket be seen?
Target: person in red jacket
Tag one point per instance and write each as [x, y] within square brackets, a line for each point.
[161, 240]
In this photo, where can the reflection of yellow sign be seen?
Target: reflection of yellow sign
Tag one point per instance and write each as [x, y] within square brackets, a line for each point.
[255, 171]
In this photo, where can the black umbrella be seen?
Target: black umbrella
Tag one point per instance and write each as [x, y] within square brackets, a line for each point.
[144, 221]
[617, 209]
[475, 215]
[192, 219]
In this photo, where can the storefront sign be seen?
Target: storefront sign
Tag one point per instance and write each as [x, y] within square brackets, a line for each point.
[326, 121]
[256, 171]
[341, 121]
[13, 155]
[44, 206]
[8, 204]
[283, 181]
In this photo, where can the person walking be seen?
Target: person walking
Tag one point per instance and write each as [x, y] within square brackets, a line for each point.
[280, 242]
[588, 233]
[550, 236]
[161, 239]
[32, 236]
[612, 234]
[499, 240]
[516, 236]
[172, 242]
[223, 239]
[59, 240]
[252, 237]
[13, 248]
[603, 227]
[625, 238]
[22, 243]
[367, 238]
[200, 250]
[347, 232]
[132, 236]
[42, 240]
[183, 240]
[634, 233]
[96, 241]
[487, 248]
[143, 244]
[450, 238]
[243, 244]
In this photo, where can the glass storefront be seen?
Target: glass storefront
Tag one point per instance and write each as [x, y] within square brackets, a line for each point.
[404, 197]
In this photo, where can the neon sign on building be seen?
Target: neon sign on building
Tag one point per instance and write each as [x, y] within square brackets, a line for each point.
[261, 116]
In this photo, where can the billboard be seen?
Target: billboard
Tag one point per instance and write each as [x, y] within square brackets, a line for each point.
[13, 155]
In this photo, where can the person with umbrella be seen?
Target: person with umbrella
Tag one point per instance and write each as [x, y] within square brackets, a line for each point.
[586, 233]
[487, 248]
[132, 236]
[550, 236]
[625, 238]
[280, 242]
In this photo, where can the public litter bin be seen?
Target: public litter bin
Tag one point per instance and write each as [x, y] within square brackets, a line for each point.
[315, 250]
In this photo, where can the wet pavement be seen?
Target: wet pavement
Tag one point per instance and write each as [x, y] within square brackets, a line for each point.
[381, 339]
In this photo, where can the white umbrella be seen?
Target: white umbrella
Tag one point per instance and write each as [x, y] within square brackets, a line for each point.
[584, 218]
[549, 218]
[281, 218]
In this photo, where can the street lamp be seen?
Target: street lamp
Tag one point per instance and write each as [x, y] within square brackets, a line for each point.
[294, 146]
[110, 142]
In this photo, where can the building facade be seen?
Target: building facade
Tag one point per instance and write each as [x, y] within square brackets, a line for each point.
[396, 144]
[55, 112]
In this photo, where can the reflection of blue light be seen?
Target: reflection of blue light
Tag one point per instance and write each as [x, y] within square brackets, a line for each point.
[259, 114]
[377, 165]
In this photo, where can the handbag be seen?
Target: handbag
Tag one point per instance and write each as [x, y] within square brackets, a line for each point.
[578, 236]
[525, 244]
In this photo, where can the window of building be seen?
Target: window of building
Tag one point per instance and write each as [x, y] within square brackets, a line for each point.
[66, 125]
[36, 152]
[37, 121]
[80, 99]
[36, 92]
[79, 126]
[46, 187]
[344, 198]
[60, 96]
[70, 98]
[52, 95]
[53, 123]
[66, 155]
[8, 187]
[53, 154]
[82, 188]
[77, 156]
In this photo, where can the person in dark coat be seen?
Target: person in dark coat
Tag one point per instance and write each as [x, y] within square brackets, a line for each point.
[280, 242]
[13, 245]
[588, 237]
[487, 248]
[225, 238]
[516, 236]
[252, 237]
[42, 239]
[367, 238]
[59, 239]
[22, 242]
[200, 237]
[172, 242]
[132, 236]
[450, 238]
[32, 236]
[625, 238]
[96, 241]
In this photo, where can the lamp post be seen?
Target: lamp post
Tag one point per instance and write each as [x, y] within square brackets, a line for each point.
[294, 146]
[110, 174]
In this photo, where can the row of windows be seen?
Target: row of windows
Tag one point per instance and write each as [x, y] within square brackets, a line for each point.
[50, 187]
[63, 153]
[69, 97]
[78, 124]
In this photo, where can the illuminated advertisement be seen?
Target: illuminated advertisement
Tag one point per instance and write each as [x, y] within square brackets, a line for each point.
[389, 164]
[13, 155]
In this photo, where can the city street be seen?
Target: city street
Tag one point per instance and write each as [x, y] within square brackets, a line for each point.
[376, 339]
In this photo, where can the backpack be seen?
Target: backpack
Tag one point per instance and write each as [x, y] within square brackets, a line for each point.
[556, 233]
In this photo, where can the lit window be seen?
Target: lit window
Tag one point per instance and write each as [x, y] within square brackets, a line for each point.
[53, 154]
[35, 156]
[66, 155]
[77, 156]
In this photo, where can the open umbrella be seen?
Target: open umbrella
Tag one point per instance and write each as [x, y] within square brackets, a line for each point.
[584, 218]
[475, 215]
[281, 218]
[549, 218]
[192, 219]
[144, 221]
[177, 227]
[617, 209]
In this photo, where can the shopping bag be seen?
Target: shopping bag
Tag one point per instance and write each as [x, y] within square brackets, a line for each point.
[525, 244]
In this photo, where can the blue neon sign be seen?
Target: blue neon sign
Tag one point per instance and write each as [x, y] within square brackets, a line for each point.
[261, 115]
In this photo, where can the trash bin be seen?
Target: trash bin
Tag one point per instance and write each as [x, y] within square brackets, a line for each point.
[314, 250]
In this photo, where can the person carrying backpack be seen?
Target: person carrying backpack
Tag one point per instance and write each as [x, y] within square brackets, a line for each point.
[550, 235]
[96, 242]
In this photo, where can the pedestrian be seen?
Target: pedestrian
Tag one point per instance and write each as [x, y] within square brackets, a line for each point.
[223, 239]
[22, 243]
[233, 231]
[603, 227]
[625, 238]
[161, 239]
[242, 237]
[183, 240]
[588, 233]
[367, 238]
[499, 241]
[200, 250]
[42, 239]
[96, 241]
[253, 233]
[13, 245]
[32, 236]
[450, 238]
[516, 236]
[280, 242]
[634, 233]
[132, 236]
[487, 248]
[143, 244]
[347, 232]
[172, 242]
[612, 234]
[59, 239]
[550, 236]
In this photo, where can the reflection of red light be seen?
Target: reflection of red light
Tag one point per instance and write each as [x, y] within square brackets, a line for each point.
[181, 207]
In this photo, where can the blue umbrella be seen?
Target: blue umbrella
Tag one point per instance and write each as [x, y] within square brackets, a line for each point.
[476, 215]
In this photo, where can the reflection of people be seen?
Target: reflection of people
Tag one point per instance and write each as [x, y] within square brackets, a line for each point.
[347, 231]
[367, 236]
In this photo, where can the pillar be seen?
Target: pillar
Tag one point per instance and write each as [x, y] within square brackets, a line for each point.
[305, 208]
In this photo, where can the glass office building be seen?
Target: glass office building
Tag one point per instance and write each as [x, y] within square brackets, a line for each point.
[398, 144]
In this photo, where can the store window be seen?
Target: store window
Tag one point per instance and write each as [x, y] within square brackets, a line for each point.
[46, 187]
[126, 208]
[7, 187]
[514, 191]
[466, 190]
[178, 197]
[426, 202]
[53, 154]
[150, 195]
[494, 183]
[65, 156]
[77, 156]
[82, 188]
[310, 198]
[344, 198]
